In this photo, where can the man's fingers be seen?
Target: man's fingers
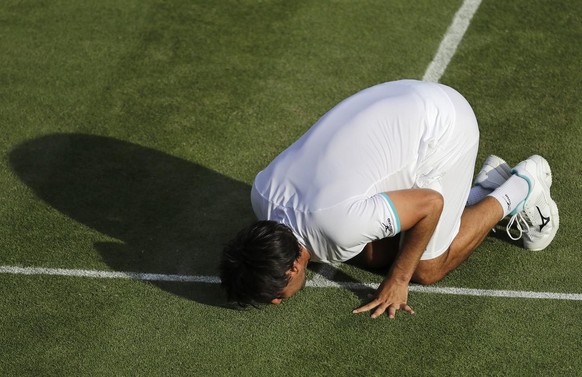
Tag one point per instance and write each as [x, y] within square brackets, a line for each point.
[392, 311]
[408, 309]
[369, 306]
[381, 308]
[394, 308]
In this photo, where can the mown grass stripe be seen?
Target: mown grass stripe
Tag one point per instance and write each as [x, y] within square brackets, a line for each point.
[320, 282]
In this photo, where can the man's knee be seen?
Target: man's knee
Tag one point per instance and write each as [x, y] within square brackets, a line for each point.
[429, 271]
[426, 277]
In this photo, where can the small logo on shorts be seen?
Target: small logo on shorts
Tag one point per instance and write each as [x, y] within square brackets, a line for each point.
[388, 226]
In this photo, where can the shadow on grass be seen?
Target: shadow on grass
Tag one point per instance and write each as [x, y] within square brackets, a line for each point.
[355, 286]
[500, 233]
[167, 215]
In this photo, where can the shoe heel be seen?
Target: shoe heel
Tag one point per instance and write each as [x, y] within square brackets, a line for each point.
[543, 168]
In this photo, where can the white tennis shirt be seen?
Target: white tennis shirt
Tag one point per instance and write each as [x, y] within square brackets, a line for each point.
[329, 185]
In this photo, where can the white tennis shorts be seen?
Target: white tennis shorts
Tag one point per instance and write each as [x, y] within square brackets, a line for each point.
[455, 182]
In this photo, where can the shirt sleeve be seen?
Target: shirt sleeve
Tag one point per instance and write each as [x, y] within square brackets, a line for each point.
[392, 224]
[354, 224]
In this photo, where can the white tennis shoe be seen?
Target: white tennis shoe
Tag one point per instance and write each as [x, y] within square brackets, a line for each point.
[494, 173]
[536, 217]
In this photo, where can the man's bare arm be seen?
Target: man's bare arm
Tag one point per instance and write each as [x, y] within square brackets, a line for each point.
[419, 211]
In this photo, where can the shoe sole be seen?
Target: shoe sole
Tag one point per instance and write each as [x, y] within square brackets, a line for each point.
[543, 167]
[555, 223]
[492, 161]
[543, 170]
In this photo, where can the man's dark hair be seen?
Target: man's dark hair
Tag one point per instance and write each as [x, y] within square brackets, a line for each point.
[254, 264]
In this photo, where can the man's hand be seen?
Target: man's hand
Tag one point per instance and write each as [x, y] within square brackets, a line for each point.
[391, 296]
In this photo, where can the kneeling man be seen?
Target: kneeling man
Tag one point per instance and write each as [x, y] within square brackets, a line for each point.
[393, 161]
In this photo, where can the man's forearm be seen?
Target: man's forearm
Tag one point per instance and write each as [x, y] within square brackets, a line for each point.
[422, 213]
[414, 245]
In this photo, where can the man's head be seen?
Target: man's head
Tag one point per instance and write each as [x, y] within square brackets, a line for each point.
[263, 264]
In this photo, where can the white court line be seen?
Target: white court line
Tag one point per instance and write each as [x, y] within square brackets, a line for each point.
[457, 291]
[108, 274]
[326, 273]
[451, 40]
[320, 282]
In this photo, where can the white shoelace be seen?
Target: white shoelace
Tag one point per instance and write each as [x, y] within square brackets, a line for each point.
[521, 225]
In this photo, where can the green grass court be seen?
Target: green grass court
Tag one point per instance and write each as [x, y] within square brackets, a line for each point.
[132, 131]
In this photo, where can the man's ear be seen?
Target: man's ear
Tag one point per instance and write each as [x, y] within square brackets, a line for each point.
[295, 267]
[300, 262]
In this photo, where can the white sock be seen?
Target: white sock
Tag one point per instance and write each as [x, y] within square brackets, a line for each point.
[477, 194]
[511, 193]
